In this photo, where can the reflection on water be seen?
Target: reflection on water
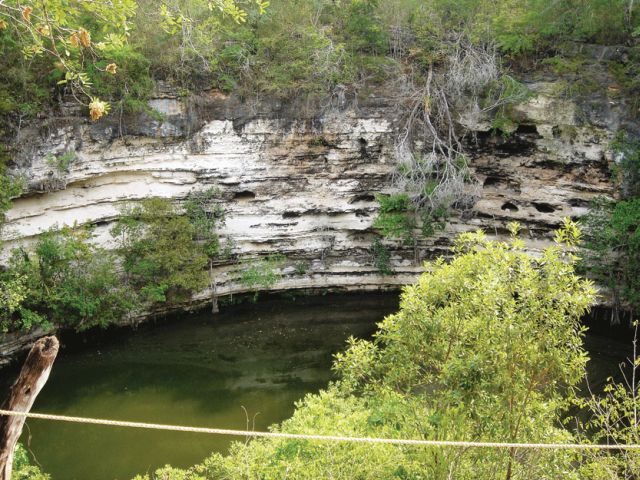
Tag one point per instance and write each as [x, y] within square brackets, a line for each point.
[196, 371]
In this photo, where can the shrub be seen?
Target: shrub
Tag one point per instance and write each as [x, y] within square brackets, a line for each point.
[486, 347]
[161, 256]
[65, 281]
[261, 274]
[396, 218]
[381, 257]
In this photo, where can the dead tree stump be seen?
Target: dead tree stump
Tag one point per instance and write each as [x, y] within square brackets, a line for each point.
[33, 376]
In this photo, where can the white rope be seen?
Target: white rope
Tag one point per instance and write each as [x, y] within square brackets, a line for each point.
[331, 438]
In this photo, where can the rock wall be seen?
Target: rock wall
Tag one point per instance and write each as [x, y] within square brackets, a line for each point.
[301, 180]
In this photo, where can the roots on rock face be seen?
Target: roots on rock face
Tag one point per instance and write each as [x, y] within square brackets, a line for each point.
[432, 166]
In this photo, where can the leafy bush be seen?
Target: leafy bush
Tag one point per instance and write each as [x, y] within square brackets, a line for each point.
[626, 170]
[613, 248]
[61, 162]
[161, 256]
[614, 420]
[396, 218]
[301, 267]
[381, 257]
[261, 273]
[22, 468]
[206, 215]
[66, 281]
[131, 87]
[10, 188]
[486, 347]
[613, 229]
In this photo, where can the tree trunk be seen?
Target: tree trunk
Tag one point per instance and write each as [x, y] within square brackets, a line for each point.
[33, 376]
[214, 290]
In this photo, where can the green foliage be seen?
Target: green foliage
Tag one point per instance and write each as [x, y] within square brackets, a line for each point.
[530, 25]
[262, 273]
[486, 347]
[68, 38]
[206, 215]
[301, 267]
[65, 280]
[13, 292]
[61, 162]
[22, 468]
[129, 89]
[613, 247]
[626, 170]
[86, 46]
[115, 52]
[396, 218]
[627, 75]
[381, 257]
[10, 188]
[614, 420]
[501, 96]
[363, 28]
[564, 66]
[613, 228]
[434, 220]
[161, 256]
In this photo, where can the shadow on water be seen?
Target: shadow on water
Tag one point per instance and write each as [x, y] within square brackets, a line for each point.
[610, 347]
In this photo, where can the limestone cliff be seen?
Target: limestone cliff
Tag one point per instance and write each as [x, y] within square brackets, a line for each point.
[300, 180]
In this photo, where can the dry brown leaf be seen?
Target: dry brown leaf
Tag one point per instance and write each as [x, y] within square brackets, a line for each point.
[26, 14]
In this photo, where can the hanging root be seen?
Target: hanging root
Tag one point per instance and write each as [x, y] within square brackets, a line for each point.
[432, 165]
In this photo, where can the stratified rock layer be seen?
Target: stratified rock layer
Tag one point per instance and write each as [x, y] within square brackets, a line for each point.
[303, 183]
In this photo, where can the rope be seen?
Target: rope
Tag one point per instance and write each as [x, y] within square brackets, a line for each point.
[331, 438]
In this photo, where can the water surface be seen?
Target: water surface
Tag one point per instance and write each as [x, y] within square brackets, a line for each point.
[245, 368]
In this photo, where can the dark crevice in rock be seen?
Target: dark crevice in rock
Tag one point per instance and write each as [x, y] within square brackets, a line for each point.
[364, 197]
[510, 206]
[499, 180]
[521, 142]
[492, 181]
[245, 195]
[291, 214]
[579, 202]
[528, 130]
[363, 148]
[543, 207]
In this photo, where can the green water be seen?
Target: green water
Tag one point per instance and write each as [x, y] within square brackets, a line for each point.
[253, 361]
[245, 368]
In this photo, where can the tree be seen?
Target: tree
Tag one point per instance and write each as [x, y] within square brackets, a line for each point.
[72, 36]
[80, 40]
[612, 229]
[161, 256]
[206, 217]
[615, 419]
[487, 347]
[65, 280]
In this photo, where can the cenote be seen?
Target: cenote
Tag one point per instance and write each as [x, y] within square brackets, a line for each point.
[244, 368]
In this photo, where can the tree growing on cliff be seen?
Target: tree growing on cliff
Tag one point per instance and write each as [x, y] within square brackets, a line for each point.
[161, 256]
[80, 44]
[612, 230]
[64, 280]
[487, 347]
[207, 215]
